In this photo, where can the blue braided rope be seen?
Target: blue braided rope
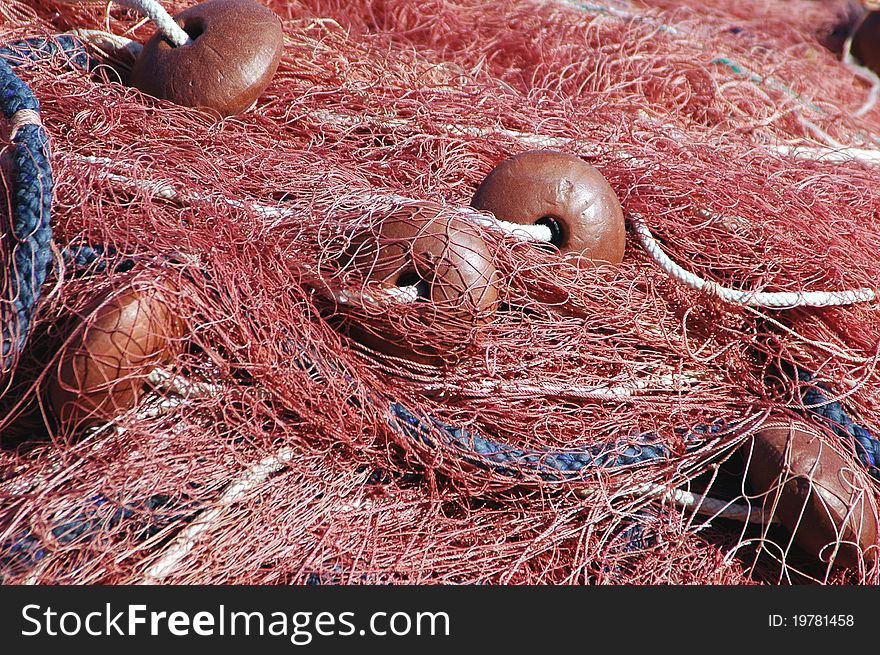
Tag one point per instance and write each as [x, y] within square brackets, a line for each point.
[32, 190]
[643, 449]
[23, 551]
[39, 49]
[549, 464]
[84, 258]
[31, 209]
[866, 446]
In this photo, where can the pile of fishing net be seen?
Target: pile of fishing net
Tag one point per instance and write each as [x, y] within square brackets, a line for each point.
[308, 422]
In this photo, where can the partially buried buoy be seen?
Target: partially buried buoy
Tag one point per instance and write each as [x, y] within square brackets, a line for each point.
[235, 50]
[564, 193]
[104, 366]
[823, 499]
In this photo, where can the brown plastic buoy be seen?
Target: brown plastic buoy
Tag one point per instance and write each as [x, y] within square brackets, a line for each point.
[101, 373]
[866, 41]
[444, 258]
[823, 499]
[235, 50]
[563, 192]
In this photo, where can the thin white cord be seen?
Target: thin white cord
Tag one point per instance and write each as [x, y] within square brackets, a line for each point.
[706, 505]
[525, 232]
[646, 386]
[111, 46]
[454, 129]
[166, 191]
[698, 503]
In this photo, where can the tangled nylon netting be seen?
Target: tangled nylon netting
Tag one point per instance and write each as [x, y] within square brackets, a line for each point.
[567, 437]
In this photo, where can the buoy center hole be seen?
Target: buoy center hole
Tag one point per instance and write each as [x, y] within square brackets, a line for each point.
[194, 27]
[413, 279]
[558, 236]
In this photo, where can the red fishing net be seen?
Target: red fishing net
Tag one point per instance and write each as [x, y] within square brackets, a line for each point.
[274, 445]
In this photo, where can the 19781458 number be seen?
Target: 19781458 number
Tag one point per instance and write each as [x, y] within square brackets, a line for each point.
[812, 620]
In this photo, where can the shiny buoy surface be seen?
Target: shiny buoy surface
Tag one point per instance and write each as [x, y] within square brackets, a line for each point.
[236, 48]
[564, 193]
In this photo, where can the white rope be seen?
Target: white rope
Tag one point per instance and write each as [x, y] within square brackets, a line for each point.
[823, 153]
[157, 189]
[699, 504]
[113, 47]
[773, 300]
[378, 297]
[524, 232]
[180, 385]
[189, 537]
[669, 383]
[166, 191]
[161, 18]
[705, 505]
[453, 129]
[831, 153]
